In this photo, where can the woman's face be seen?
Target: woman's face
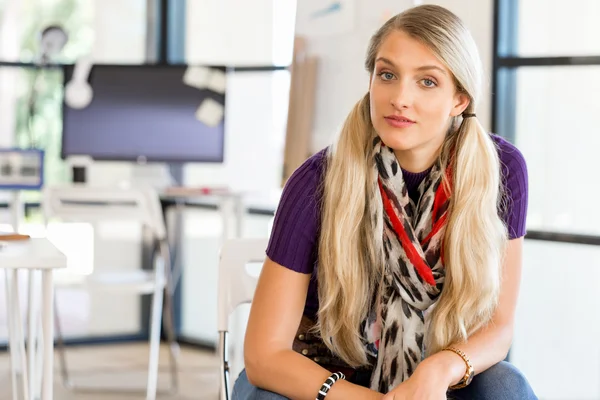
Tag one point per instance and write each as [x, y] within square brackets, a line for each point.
[413, 97]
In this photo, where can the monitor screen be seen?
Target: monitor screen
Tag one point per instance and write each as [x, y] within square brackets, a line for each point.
[144, 113]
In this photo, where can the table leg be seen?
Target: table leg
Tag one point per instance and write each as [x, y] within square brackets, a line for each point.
[225, 207]
[18, 340]
[240, 213]
[32, 332]
[17, 210]
[12, 339]
[48, 334]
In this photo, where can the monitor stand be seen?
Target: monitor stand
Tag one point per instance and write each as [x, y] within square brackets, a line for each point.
[156, 175]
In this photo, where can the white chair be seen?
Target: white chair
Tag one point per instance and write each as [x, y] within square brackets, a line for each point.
[94, 204]
[236, 287]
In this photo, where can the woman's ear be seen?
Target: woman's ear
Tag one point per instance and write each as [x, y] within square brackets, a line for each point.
[461, 102]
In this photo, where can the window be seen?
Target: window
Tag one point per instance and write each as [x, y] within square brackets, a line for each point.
[546, 84]
[547, 77]
[558, 28]
[41, 127]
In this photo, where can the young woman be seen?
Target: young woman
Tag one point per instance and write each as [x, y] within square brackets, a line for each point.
[394, 263]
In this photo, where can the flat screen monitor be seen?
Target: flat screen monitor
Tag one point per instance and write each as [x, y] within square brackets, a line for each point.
[145, 113]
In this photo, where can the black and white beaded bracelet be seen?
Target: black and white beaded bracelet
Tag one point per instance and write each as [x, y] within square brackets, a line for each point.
[328, 384]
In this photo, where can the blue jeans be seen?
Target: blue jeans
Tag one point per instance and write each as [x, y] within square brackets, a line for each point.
[501, 382]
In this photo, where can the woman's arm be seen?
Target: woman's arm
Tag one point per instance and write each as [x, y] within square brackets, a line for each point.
[491, 344]
[271, 363]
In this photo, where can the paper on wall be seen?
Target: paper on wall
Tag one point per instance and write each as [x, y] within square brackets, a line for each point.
[197, 77]
[210, 112]
[217, 81]
[316, 18]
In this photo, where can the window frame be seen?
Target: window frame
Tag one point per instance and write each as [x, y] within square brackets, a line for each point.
[504, 90]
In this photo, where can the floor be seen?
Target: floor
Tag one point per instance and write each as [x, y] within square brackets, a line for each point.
[124, 366]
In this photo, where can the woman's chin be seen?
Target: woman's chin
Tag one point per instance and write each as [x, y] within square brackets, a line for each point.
[398, 145]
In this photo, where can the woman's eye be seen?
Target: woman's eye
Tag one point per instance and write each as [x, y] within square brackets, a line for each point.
[386, 76]
[428, 83]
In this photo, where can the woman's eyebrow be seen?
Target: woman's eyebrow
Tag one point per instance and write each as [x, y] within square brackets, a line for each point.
[423, 68]
[386, 61]
[429, 67]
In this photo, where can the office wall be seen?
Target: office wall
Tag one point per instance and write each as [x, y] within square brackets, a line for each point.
[238, 33]
[120, 31]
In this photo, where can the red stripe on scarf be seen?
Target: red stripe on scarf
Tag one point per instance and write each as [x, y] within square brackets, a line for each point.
[422, 268]
[441, 198]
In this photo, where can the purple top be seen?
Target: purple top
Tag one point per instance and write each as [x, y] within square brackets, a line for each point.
[294, 238]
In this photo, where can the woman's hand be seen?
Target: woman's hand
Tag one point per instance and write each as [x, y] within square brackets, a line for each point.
[428, 382]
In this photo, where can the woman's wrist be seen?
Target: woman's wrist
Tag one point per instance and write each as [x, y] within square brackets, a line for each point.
[444, 366]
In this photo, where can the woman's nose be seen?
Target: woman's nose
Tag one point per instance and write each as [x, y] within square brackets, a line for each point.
[402, 96]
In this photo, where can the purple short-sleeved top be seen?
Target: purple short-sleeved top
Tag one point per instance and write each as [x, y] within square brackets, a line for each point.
[295, 234]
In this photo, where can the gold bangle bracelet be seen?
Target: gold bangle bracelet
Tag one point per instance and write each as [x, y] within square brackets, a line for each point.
[470, 372]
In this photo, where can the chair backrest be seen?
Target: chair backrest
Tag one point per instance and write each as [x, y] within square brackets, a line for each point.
[236, 286]
[98, 203]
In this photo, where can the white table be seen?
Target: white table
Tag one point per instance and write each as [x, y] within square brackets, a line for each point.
[36, 254]
[231, 204]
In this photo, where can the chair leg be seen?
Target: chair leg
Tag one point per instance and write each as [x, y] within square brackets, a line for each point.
[12, 337]
[224, 366]
[168, 316]
[60, 347]
[18, 336]
[155, 323]
[32, 332]
[169, 327]
[39, 362]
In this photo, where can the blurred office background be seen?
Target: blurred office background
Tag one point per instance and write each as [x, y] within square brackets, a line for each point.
[542, 59]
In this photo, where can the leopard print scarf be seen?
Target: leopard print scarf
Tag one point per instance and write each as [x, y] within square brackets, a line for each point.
[409, 237]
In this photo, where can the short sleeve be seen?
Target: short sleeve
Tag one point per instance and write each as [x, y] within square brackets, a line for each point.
[294, 237]
[516, 186]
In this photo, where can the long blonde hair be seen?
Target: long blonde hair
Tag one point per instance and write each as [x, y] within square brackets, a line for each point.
[350, 266]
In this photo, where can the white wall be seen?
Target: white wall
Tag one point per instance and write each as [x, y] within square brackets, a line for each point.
[234, 32]
[119, 31]
[557, 324]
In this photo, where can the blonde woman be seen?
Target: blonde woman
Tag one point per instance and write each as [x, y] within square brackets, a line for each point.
[394, 262]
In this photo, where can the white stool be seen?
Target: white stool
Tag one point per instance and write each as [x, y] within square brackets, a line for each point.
[31, 255]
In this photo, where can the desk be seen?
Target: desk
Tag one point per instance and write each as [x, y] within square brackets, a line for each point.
[232, 205]
[31, 255]
[229, 203]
